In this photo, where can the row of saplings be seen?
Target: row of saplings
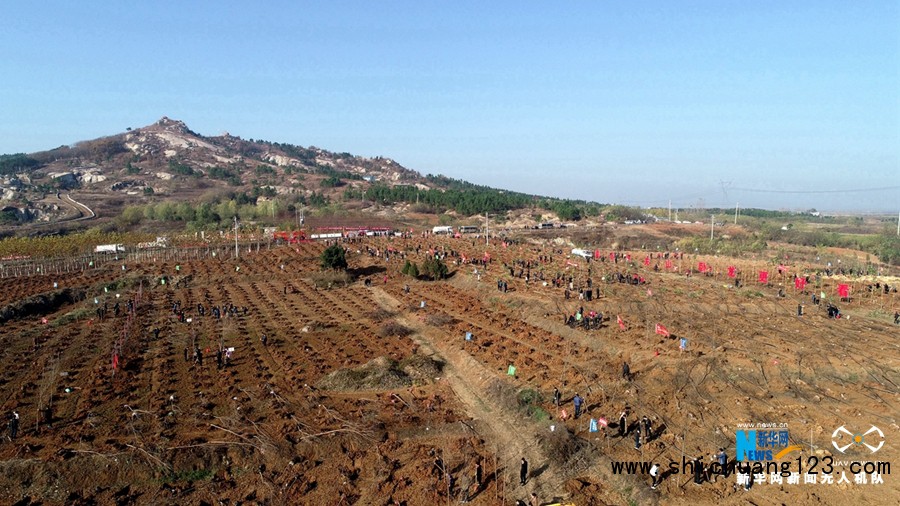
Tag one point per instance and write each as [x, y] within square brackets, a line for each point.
[334, 257]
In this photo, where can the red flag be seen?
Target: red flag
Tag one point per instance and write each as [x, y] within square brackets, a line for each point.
[799, 283]
[661, 330]
[763, 276]
[620, 322]
[597, 253]
[844, 291]
[732, 272]
[646, 260]
[702, 267]
[115, 360]
[668, 264]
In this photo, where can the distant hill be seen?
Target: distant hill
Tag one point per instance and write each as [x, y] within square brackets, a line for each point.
[168, 164]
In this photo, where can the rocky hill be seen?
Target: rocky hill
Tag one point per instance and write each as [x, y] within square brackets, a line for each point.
[167, 160]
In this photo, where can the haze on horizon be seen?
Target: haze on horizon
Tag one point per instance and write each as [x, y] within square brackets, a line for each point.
[636, 104]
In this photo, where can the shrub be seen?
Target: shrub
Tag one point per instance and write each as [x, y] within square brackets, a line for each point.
[562, 447]
[333, 258]
[440, 319]
[434, 268]
[410, 269]
[393, 328]
[380, 315]
[329, 279]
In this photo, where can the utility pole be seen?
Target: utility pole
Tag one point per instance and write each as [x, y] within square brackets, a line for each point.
[235, 237]
[898, 224]
[712, 224]
[736, 208]
[670, 210]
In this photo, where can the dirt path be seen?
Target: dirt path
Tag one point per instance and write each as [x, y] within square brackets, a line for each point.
[471, 381]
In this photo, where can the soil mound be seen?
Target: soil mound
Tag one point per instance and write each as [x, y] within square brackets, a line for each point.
[381, 373]
[422, 368]
[40, 304]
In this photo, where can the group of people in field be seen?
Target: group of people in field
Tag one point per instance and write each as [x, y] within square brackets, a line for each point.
[103, 310]
[592, 320]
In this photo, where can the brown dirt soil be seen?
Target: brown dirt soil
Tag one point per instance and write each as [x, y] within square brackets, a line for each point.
[158, 429]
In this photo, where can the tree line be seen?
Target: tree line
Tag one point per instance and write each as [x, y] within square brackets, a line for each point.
[15, 163]
[470, 199]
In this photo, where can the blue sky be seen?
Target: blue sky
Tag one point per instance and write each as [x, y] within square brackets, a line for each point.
[626, 102]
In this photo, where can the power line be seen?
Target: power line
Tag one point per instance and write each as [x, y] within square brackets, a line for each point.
[857, 190]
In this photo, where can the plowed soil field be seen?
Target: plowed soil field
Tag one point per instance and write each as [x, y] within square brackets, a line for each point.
[370, 392]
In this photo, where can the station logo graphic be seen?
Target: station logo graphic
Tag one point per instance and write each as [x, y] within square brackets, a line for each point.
[841, 444]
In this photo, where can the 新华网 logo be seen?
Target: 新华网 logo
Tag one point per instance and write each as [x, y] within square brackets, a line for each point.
[761, 445]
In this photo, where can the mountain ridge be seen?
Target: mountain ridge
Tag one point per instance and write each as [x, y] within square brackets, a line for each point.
[166, 160]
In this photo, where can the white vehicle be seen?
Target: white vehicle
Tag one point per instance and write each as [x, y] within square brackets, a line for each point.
[332, 235]
[582, 253]
[109, 248]
[442, 230]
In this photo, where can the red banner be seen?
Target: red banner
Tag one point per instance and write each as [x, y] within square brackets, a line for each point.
[620, 322]
[597, 254]
[646, 260]
[115, 363]
[763, 276]
[702, 267]
[668, 264]
[844, 291]
[799, 283]
[661, 330]
[732, 272]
